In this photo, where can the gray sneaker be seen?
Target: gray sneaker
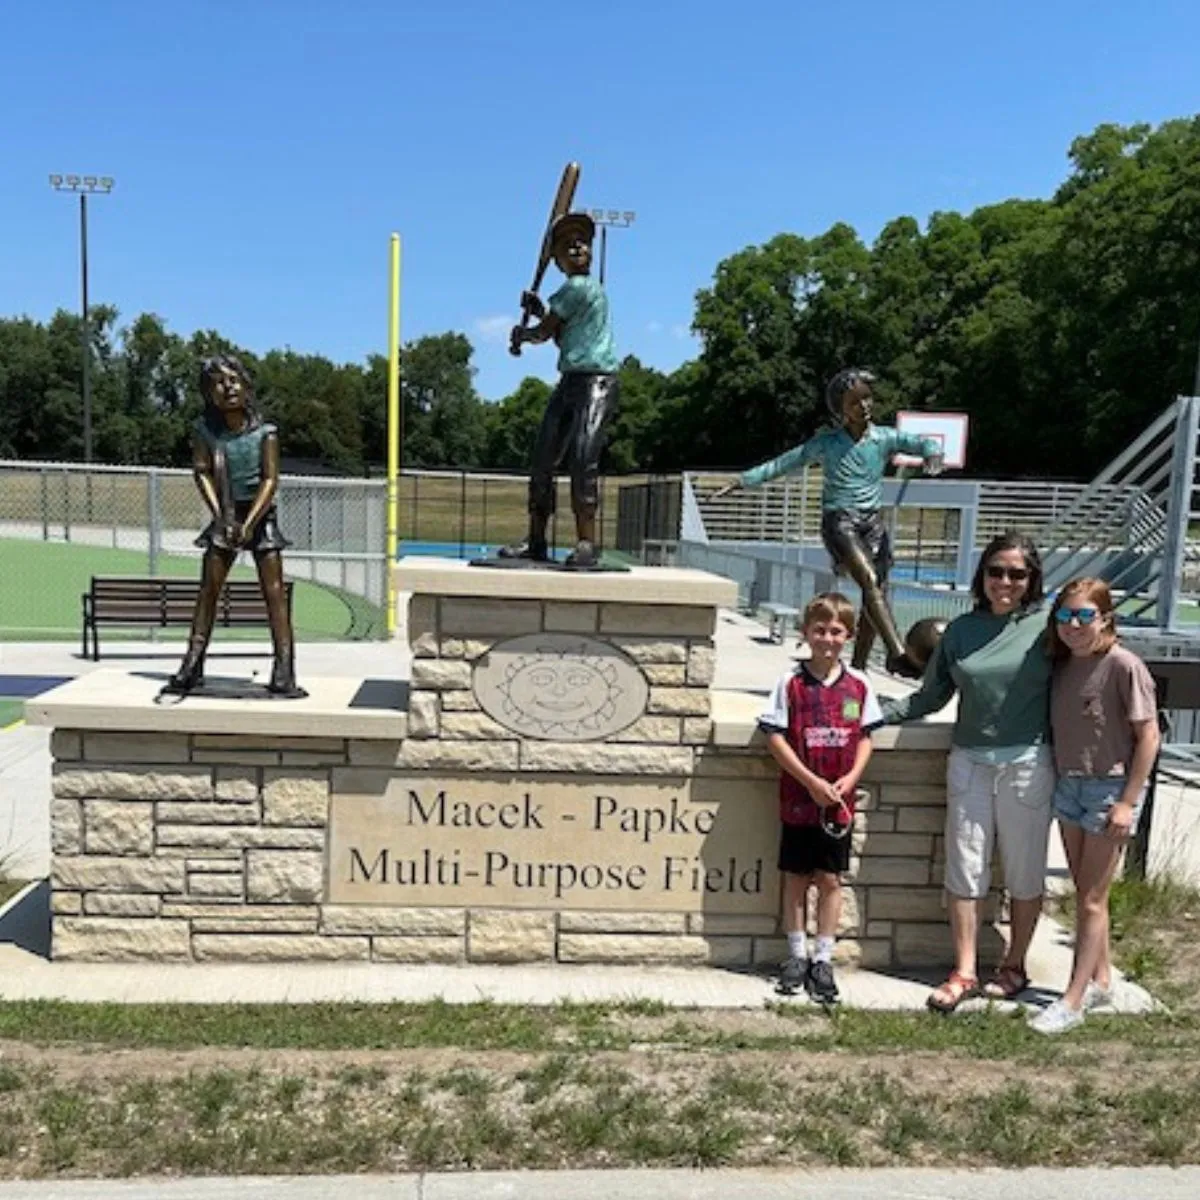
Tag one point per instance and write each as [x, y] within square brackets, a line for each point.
[1094, 996]
[1058, 1017]
[791, 975]
[820, 984]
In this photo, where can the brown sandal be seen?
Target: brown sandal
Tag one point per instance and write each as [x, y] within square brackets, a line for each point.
[957, 988]
[1007, 983]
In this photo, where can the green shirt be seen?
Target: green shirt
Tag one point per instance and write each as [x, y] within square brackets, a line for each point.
[853, 470]
[1000, 668]
[586, 341]
[243, 456]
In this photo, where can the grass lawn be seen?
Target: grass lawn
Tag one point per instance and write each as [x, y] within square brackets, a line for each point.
[41, 583]
[106, 1090]
[10, 711]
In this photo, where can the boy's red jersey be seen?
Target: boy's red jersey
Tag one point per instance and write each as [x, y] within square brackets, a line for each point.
[823, 722]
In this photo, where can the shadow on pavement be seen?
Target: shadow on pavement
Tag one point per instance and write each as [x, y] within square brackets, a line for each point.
[25, 922]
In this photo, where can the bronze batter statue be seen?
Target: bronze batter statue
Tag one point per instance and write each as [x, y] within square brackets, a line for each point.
[854, 457]
[580, 408]
[235, 460]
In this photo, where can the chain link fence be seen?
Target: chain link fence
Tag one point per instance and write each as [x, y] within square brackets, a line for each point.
[61, 524]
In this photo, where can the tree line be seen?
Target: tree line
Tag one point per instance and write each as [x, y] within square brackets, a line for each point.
[1062, 326]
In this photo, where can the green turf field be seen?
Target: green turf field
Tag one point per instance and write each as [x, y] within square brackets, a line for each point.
[10, 711]
[41, 583]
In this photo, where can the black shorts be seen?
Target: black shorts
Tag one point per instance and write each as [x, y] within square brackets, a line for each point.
[804, 849]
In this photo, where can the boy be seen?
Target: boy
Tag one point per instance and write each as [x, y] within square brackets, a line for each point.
[818, 726]
[854, 457]
[582, 405]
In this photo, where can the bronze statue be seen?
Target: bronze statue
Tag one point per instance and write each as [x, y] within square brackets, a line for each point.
[574, 426]
[235, 461]
[854, 457]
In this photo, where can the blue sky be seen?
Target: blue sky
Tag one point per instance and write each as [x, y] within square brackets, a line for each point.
[265, 149]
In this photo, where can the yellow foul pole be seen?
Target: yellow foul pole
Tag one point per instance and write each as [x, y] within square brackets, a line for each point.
[393, 426]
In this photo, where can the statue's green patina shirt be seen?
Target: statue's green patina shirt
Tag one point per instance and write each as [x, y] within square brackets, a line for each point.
[853, 470]
[586, 341]
[243, 452]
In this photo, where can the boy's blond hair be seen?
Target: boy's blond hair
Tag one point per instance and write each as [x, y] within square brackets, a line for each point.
[829, 606]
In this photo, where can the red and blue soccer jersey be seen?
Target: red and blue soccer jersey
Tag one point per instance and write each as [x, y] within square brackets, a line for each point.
[823, 722]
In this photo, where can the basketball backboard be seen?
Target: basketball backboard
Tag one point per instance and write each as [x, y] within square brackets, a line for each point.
[949, 429]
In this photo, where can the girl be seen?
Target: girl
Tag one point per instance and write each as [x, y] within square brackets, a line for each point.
[1102, 711]
[235, 462]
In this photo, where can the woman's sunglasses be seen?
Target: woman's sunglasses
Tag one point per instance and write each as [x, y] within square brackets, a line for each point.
[1012, 574]
[1085, 616]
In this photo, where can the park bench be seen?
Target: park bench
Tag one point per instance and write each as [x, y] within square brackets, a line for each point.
[158, 602]
[780, 617]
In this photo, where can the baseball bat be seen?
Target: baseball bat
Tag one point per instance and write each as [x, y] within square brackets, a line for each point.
[561, 206]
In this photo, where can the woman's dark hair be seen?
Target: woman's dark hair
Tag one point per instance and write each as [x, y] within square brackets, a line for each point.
[1011, 540]
[210, 370]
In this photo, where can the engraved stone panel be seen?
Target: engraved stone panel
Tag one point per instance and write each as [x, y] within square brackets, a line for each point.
[490, 841]
[560, 687]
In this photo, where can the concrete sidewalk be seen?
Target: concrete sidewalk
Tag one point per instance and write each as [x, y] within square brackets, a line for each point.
[1090, 1183]
[26, 974]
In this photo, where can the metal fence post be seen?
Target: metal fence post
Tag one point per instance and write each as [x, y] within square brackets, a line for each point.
[66, 478]
[462, 514]
[153, 519]
[45, 489]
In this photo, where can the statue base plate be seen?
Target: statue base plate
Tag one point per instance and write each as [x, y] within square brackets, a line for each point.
[227, 689]
[538, 564]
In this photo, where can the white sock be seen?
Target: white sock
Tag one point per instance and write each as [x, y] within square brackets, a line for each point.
[824, 949]
[798, 945]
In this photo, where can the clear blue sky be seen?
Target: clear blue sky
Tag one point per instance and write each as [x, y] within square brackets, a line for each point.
[265, 149]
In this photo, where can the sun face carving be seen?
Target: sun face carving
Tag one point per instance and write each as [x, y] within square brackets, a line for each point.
[560, 687]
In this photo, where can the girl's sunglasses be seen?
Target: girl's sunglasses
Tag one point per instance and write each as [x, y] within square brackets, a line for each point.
[1012, 574]
[1085, 616]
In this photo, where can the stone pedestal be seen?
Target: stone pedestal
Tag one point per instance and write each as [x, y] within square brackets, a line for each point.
[560, 782]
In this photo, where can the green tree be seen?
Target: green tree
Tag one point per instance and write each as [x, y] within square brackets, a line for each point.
[512, 425]
[443, 415]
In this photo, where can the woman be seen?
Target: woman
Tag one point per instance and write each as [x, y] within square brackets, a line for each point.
[1000, 775]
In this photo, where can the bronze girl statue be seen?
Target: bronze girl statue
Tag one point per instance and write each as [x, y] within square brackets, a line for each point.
[235, 460]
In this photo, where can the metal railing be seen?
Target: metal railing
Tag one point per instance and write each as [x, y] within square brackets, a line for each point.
[1130, 524]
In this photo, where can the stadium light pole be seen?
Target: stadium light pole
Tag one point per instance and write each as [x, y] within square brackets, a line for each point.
[84, 186]
[606, 217]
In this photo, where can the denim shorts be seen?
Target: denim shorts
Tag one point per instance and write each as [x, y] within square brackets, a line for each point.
[1084, 801]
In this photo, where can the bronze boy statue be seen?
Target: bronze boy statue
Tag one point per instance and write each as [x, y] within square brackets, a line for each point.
[581, 406]
[854, 457]
[235, 460]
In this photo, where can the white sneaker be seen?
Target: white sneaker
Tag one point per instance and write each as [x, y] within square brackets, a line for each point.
[1058, 1017]
[1094, 996]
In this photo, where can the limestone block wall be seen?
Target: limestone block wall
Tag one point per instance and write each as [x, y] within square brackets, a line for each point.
[180, 847]
[561, 784]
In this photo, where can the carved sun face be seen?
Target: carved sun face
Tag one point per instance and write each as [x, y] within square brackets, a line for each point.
[560, 689]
